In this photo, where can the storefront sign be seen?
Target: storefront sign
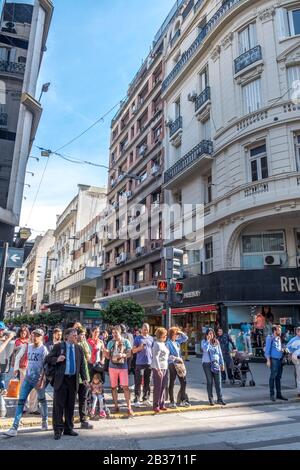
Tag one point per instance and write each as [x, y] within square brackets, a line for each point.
[191, 295]
[290, 284]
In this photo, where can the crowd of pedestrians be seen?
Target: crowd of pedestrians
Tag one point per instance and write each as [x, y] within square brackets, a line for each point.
[76, 362]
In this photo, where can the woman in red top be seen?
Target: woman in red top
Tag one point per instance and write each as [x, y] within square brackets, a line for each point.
[96, 362]
[20, 353]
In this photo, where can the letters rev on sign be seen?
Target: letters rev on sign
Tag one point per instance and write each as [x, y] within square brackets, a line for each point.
[290, 284]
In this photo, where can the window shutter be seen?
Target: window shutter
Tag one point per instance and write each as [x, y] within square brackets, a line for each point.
[252, 35]
[244, 40]
[3, 53]
[283, 23]
[13, 55]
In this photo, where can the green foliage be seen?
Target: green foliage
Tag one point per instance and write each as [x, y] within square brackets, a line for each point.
[39, 319]
[124, 311]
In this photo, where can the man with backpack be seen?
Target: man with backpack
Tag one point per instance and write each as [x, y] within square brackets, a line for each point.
[34, 379]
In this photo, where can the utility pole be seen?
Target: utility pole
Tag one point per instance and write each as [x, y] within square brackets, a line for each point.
[2, 277]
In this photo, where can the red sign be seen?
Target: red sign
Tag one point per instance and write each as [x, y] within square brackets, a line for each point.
[198, 309]
[162, 286]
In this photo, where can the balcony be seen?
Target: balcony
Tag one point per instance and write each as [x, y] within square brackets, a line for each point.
[191, 51]
[187, 9]
[3, 119]
[203, 98]
[186, 164]
[248, 58]
[12, 67]
[175, 126]
[197, 5]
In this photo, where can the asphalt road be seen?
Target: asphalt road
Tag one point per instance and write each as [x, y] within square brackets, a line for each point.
[266, 427]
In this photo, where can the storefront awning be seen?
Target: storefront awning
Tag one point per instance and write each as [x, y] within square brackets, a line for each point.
[197, 309]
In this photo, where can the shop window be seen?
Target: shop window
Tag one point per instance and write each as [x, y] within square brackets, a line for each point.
[298, 241]
[259, 163]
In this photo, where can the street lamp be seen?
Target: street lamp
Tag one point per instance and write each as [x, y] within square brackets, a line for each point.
[45, 89]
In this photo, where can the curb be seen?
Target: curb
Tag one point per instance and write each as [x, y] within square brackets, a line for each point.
[35, 422]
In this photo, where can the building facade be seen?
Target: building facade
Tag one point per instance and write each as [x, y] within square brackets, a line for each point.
[14, 301]
[132, 262]
[230, 94]
[23, 33]
[74, 261]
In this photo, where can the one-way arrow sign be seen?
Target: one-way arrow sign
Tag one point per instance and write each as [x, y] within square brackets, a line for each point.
[15, 257]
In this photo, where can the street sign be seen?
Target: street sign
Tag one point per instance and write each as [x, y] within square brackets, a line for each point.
[15, 257]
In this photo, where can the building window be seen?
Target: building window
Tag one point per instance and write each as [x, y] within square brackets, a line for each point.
[177, 109]
[139, 275]
[289, 22]
[206, 130]
[298, 152]
[208, 189]
[143, 177]
[259, 163]
[156, 270]
[298, 241]
[272, 242]
[252, 96]
[157, 132]
[293, 76]
[247, 38]
[209, 256]
[203, 76]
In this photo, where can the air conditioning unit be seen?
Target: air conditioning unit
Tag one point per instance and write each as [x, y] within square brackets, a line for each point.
[122, 258]
[110, 236]
[143, 150]
[139, 251]
[155, 169]
[298, 261]
[128, 288]
[192, 96]
[272, 260]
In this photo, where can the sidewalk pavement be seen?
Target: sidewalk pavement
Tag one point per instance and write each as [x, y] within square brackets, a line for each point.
[234, 395]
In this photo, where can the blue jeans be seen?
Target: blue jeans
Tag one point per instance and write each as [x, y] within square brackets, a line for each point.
[2, 381]
[24, 392]
[275, 377]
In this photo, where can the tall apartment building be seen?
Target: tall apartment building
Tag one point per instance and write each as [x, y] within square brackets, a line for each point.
[231, 70]
[23, 33]
[73, 271]
[35, 273]
[132, 262]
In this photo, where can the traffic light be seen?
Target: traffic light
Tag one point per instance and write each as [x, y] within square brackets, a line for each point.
[162, 290]
[178, 292]
[174, 263]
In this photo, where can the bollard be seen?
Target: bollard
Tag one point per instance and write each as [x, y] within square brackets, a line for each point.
[3, 410]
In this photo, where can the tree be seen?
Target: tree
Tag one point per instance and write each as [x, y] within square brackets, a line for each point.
[128, 312]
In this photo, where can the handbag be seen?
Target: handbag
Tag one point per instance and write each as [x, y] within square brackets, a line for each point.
[115, 351]
[13, 390]
[214, 364]
[180, 368]
[98, 368]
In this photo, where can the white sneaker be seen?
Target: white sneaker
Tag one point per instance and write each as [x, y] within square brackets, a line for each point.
[137, 404]
[173, 405]
[146, 402]
[11, 433]
[45, 426]
[186, 404]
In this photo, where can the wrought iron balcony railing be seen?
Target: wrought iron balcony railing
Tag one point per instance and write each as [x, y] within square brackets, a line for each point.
[12, 67]
[202, 98]
[175, 126]
[248, 58]
[191, 51]
[203, 148]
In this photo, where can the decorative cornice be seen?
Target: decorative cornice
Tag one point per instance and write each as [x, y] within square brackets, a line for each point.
[227, 41]
[266, 14]
[215, 54]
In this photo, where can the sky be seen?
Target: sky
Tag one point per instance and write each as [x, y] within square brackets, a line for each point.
[94, 49]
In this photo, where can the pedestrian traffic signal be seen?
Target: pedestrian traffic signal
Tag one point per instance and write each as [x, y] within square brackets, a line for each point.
[162, 286]
[178, 292]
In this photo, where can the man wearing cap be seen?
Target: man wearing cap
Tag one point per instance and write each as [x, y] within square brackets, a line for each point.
[34, 379]
[6, 350]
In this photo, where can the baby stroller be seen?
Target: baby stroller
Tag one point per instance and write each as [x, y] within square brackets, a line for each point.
[89, 407]
[241, 369]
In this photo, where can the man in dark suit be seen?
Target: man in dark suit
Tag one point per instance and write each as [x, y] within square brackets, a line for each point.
[68, 359]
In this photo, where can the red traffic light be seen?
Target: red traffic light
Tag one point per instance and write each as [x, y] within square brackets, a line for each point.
[162, 286]
[179, 287]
